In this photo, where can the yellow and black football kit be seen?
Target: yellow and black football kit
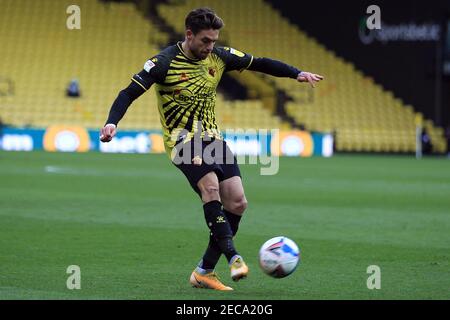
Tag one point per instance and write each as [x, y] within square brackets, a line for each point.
[186, 93]
[186, 89]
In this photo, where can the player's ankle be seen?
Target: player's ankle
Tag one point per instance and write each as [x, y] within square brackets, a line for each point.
[203, 271]
[234, 258]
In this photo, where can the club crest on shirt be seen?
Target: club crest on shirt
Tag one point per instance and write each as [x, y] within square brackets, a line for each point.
[184, 77]
[197, 161]
[212, 71]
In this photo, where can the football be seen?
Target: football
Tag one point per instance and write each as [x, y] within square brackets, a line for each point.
[279, 257]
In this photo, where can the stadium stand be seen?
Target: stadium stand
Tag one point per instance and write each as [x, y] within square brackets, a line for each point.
[362, 115]
[115, 39]
[42, 59]
[114, 42]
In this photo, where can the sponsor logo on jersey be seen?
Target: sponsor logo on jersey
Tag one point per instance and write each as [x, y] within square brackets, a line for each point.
[197, 161]
[184, 96]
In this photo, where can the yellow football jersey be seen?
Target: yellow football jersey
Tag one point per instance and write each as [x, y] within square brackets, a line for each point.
[186, 89]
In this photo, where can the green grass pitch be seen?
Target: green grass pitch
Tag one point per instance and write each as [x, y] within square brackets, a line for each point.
[136, 229]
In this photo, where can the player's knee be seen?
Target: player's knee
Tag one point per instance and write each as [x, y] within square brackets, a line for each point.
[239, 205]
[210, 192]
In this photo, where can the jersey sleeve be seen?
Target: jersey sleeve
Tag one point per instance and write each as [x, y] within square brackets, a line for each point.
[154, 70]
[235, 59]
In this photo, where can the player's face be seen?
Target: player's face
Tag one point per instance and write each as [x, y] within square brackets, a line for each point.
[202, 43]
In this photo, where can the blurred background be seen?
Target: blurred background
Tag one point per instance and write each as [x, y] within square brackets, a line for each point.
[385, 90]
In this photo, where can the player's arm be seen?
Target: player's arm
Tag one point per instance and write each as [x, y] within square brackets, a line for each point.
[237, 60]
[280, 69]
[119, 108]
[140, 83]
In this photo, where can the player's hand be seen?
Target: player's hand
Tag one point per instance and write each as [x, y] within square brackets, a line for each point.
[108, 132]
[312, 78]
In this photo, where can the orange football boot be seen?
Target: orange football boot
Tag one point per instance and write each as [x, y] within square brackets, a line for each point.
[207, 281]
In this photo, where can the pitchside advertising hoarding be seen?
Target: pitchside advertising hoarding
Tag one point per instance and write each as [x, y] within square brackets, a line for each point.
[79, 139]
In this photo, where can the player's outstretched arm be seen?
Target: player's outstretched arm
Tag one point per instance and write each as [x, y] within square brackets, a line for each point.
[108, 132]
[118, 110]
[280, 69]
[312, 78]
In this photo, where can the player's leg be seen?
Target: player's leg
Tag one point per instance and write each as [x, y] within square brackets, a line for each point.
[204, 179]
[220, 235]
[234, 203]
[214, 215]
[233, 200]
[213, 251]
[203, 276]
[232, 190]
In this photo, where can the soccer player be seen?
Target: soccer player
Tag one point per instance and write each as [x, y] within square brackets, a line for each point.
[186, 76]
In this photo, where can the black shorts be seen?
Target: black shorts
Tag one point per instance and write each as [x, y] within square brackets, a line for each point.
[196, 159]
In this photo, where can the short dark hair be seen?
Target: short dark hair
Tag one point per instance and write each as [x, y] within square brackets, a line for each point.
[203, 19]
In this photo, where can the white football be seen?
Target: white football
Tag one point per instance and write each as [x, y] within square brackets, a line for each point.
[279, 257]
